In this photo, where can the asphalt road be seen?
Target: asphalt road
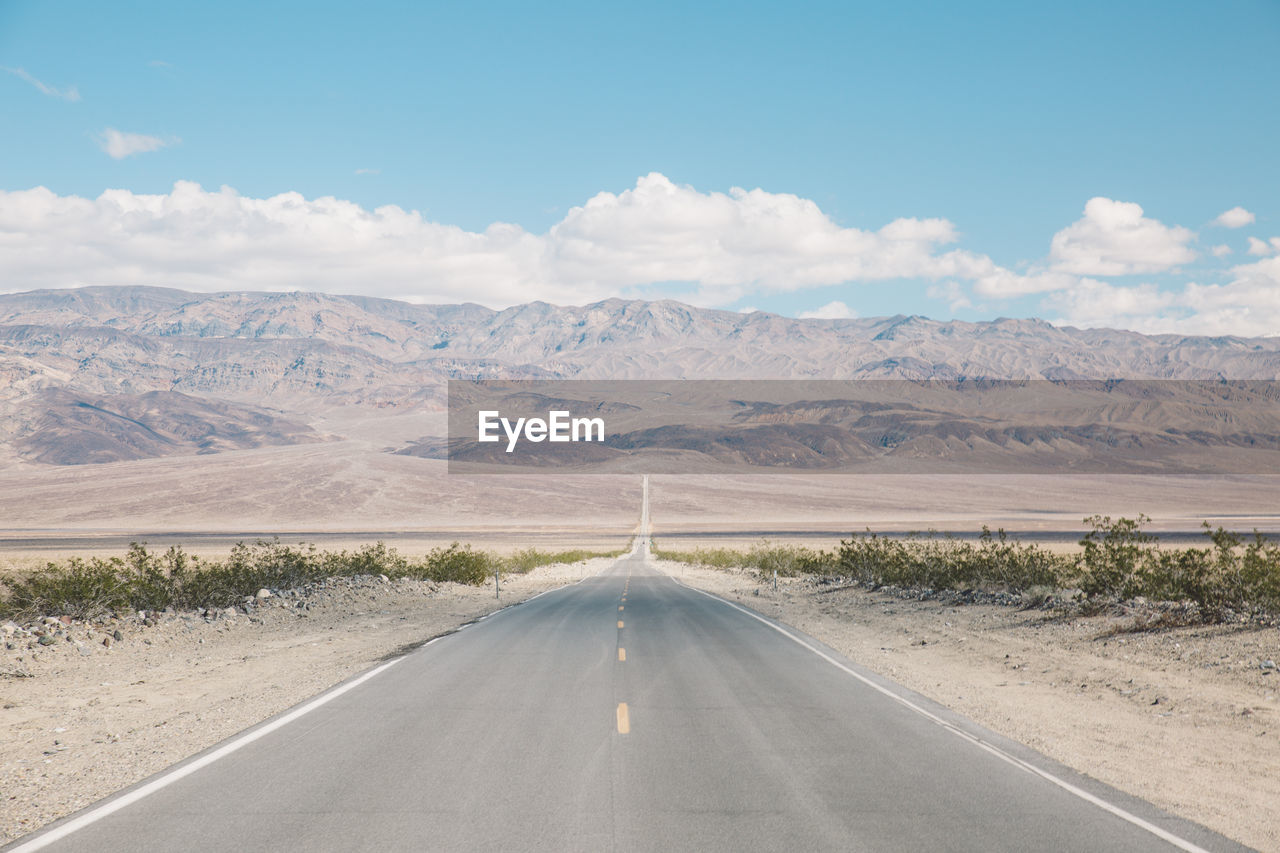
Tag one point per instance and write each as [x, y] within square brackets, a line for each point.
[625, 712]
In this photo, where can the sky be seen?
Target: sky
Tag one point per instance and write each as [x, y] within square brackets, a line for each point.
[1106, 164]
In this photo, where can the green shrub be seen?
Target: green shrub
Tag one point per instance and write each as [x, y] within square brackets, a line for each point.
[455, 564]
[528, 559]
[1112, 554]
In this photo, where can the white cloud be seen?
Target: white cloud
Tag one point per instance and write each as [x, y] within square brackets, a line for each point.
[1248, 305]
[71, 93]
[1001, 283]
[723, 246]
[1220, 251]
[1263, 247]
[1094, 304]
[368, 171]
[1236, 217]
[834, 310]
[656, 239]
[1114, 238]
[119, 145]
[952, 293]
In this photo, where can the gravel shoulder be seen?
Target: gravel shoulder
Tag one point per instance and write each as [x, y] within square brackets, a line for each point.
[1186, 718]
[90, 714]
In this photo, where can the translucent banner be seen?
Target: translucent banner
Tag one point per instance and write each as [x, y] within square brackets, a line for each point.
[1136, 426]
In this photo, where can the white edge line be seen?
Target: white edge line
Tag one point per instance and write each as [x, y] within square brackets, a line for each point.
[1160, 833]
[108, 808]
[112, 806]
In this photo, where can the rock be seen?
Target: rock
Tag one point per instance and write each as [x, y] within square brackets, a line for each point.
[107, 641]
[1268, 664]
[65, 620]
[9, 629]
[263, 594]
[46, 640]
[117, 635]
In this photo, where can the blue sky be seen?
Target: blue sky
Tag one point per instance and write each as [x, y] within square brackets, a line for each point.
[1003, 119]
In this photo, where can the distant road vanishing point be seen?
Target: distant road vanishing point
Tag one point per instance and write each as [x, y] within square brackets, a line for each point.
[625, 712]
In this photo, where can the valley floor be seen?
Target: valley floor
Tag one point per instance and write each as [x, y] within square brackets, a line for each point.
[1186, 718]
[80, 720]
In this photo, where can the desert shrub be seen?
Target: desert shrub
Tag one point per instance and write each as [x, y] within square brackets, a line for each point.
[787, 560]
[528, 559]
[144, 580]
[946, 563]
[1259, 576]
[1118, 561]
[1113, 551]
[456, 564]
[375, 559]
[718, 558]
[79, 588]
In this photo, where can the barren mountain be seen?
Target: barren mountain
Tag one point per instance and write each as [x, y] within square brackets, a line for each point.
[292, 357]
[74, 429]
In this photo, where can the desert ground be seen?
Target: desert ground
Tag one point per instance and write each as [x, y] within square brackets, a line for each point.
[82, 719]
[1186, 718]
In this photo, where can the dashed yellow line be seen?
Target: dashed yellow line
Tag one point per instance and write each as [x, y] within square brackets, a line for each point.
[622, 653]
[619, 608]
[619, 623]
[624, 719]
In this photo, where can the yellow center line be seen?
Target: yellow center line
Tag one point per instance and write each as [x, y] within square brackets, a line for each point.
[622, 653]
[619, 623]
[619, 608]
[624, 719]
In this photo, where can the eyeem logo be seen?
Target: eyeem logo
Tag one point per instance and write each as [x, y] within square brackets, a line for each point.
[558, 426]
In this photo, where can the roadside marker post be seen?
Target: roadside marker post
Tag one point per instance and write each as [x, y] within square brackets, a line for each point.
[497, 583]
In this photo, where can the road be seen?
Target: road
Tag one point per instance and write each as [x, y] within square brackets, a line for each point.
[629, 713]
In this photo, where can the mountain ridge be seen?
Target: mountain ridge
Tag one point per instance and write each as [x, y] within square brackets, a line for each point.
[297, 354]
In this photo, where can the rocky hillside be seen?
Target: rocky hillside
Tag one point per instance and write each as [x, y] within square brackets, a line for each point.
[289, 355]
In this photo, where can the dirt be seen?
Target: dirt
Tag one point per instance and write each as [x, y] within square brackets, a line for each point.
[80, 720]
[1186, 718]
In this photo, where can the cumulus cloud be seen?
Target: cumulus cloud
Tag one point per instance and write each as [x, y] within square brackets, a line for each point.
[1002, 283]
[950, 292]
[1263, 247]
[1247, 305]
[68, 94]
[118, 145]
[654, 239]
[1220, 251]
[833, 310]
[1093, 304]
[1236, 217]
[723, 246]
[1114, 238]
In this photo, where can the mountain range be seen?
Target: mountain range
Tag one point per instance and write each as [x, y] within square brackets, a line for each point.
[109, 374]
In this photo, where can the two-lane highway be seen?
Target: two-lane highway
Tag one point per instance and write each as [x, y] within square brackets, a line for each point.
[630, 713]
